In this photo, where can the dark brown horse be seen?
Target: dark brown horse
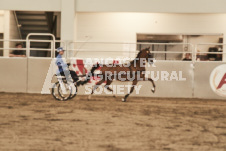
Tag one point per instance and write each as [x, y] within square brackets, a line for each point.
[127, 72]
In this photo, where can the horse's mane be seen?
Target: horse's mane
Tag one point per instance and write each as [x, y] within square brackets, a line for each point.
[138, 55]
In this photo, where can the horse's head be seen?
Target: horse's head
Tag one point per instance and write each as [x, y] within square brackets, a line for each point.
[145, 53]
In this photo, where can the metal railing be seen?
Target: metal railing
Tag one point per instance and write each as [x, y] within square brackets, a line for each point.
[120, 47]
[7, 47]
[109, 49]
[40, 34]
[202, 49]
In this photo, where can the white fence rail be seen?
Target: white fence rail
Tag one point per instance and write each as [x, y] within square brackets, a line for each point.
[82, 49]
[161, 51]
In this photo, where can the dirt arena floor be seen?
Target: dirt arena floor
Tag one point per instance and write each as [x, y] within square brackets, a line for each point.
[38, 122]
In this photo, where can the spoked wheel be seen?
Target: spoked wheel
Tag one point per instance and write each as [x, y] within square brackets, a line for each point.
[74, 91]
[55, 92]
[64, 90]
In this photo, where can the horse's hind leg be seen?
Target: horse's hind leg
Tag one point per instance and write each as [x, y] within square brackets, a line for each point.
[107, 86]
[95, 87]
[153, 89]
[131, 91]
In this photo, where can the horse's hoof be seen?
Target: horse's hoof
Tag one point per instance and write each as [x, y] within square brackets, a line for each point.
[153, 90]
[89, 97]
[123, 100]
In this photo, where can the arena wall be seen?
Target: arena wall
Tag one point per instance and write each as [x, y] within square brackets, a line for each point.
[202, 73]
[36, 76]
[13, 77]
[28, 76]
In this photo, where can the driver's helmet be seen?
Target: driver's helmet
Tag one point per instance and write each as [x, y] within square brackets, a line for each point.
[60, 49]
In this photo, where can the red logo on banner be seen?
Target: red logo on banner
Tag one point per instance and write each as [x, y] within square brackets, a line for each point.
[222, 82]
[80, 69]
[218, 80]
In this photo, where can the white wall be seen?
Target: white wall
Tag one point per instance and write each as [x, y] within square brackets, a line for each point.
[1, 30]
[9, 29]
[156, 6]
[6, 23]
[67, 20]
[31, 5]
[1, 21]
[122, 27]
[152, 6]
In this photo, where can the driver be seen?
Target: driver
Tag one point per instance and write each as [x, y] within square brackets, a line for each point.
[63, 67]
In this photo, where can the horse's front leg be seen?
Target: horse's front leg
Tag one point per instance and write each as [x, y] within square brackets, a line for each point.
[153, 83]
[95, 87]
[131, 91]
[144, 78]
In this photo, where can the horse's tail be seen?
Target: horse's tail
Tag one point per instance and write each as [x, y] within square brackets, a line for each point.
[91, 73]
[95, 66]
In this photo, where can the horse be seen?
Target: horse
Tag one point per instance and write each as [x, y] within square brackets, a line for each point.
[135, 68]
